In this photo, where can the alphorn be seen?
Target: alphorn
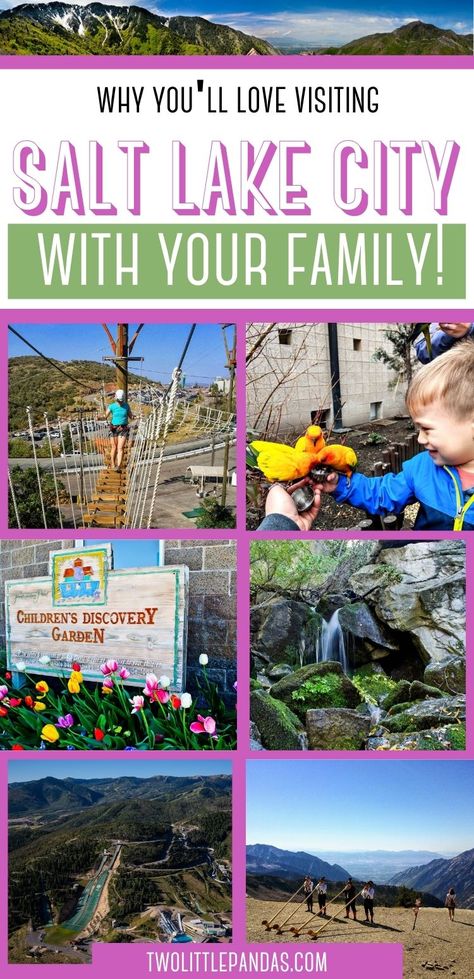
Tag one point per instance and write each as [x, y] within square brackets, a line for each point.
[279, 928]
[268, 923]
[297, 931]
[328, 922]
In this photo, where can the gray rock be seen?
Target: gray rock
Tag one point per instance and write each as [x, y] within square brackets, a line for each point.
[448, 674]
[430, 713]
[433, 739]
[279, 728]
[429, 599]
[279, 671]
[336, 729]
[360, 621]
[264, 681]
[282, 630]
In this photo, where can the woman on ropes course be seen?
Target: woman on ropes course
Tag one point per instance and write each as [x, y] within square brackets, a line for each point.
[120, 415]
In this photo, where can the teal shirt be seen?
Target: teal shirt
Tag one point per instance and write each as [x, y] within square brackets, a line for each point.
[119, 412]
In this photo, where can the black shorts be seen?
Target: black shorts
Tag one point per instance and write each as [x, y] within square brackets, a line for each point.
[116, 430]
[322, 900]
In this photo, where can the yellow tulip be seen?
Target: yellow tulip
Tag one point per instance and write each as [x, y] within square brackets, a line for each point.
[73, 685]
[49, 733]
[38, 705]
[42, 687]
[107, 690]
[76, 675]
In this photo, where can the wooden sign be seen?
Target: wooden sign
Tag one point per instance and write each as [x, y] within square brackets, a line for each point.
[137, 616]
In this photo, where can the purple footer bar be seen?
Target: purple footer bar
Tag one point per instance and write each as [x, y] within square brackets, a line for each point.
[316, 959]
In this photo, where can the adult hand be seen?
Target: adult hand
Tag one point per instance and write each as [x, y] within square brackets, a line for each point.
[329, 484]
[279, 501]
[456, 330]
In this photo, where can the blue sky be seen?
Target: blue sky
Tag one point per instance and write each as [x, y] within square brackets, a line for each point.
[160, 344]
[315, 25]
[361, 805]
[30, 771]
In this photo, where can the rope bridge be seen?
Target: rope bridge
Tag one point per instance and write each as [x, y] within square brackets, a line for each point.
[83, 490]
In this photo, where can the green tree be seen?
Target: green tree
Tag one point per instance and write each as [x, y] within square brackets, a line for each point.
[28, 502]
[399, 355]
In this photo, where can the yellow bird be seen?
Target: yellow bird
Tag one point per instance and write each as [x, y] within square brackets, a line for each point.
[282, 463]
[341, 458]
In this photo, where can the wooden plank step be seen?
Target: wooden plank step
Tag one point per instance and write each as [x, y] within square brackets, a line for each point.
[92, 521]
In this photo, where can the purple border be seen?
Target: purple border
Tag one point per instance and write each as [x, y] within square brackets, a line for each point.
[229, 62]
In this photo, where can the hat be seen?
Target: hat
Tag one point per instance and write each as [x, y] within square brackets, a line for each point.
[120, 394]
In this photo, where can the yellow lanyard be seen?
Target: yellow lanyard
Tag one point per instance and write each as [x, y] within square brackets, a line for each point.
[461, 509]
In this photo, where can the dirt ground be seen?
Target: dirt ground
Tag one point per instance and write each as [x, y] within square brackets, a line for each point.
[369, 441]
[436, 945]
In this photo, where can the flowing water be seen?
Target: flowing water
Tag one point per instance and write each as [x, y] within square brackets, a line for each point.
[330, 643]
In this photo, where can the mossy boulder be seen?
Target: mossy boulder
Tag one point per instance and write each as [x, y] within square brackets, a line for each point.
[449, 674]
[279, 728]
[399, 695]
[337, 730]
[318, 685]
[373, 684]
[429, 713]
[422, 691]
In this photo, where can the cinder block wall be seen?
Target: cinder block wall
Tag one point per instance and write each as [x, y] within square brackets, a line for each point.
[212, 607]
[212, 597]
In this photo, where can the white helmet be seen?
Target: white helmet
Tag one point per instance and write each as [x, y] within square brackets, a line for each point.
[119, 395]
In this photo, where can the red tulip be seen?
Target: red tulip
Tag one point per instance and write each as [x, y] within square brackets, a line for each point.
[175, 701]
[77, 667]
[17, 747]
[3, 712]
[29, 701]
[15, 701]
[98, 734]
[8, 676]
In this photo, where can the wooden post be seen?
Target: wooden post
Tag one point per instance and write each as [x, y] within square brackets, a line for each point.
[297, 931]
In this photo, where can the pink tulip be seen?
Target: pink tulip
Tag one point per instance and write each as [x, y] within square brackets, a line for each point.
[110, 666]
[138, 703]
[3, 692]
[124, 673]
[151, 685]
[108, 682]
[203, 725]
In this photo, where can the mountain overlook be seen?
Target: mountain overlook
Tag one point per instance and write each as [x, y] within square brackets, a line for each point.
[99, 28]
[439, 875]
[413, 38]
[271, 861]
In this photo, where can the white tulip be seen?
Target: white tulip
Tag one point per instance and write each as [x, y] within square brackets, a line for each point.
[20, 667]
[44, 660]
[164, 682]
[203, 659]
[186, 700]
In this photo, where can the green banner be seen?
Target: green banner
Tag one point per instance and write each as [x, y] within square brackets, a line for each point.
[235, 261]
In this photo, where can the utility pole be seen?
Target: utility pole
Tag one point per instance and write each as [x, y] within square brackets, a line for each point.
[121, 350]
[231, 365]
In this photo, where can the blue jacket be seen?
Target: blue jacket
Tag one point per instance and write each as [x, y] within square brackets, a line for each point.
[421, 481]
[440, 343]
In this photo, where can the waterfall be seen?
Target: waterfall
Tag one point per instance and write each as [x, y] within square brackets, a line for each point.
[330, 643]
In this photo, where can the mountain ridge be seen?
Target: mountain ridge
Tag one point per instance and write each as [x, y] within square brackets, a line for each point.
[439, 875]
[414, 38]
[100, 28]
[266, 860]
